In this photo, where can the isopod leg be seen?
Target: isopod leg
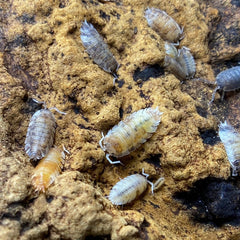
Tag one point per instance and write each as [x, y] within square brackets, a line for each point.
[57, 110]
[158, 183]
[213, 95]
[152, 186]
[100, 142]
[112, 162]
[115, 78]
[145, 174]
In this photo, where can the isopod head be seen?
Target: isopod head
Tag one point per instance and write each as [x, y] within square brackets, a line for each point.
[164, 25]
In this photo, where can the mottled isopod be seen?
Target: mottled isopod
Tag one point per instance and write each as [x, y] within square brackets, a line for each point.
[129, 188]
[130, 133]
[187, 62]
[227, 80]
[163, 24]
[98, 49]
[48, 169]
[40, 134]
[231, 141]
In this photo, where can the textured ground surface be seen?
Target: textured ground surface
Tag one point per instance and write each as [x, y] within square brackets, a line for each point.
[42, 57]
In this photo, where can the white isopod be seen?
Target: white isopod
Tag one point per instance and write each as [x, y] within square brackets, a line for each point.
[97, 49]
[231, 141]
[130, 133]
[129, 188]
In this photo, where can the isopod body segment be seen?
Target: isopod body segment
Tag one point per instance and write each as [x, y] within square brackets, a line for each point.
[227, 80]
[130, 133]
[97, 49]
[231, 141]
[40, 134]
[164, 25]
[48, 169]
[129, 188]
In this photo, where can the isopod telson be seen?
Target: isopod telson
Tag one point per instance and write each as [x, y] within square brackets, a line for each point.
[48, 169]
[97, 49]
[163, 24]
[227, 80]
[130, 133]
[129, 188]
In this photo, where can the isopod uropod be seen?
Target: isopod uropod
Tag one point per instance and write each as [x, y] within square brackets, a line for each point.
[48, 169]
[97, 49]
[227, 80]
[130, 133]
[231, 141]
[40, 134]
[127, 189]
[163, 24]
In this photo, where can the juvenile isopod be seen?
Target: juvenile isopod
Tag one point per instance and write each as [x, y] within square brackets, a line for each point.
[129, 188]
[130, 133]
[227, 80]
[48, 169]
[97, 49]
[164, 25]
[40, 133]
[231, 141]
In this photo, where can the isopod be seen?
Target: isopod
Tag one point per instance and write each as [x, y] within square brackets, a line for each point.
[187, 62]
[227, 80]
[48, 169]
[97, 49]
[171, 50]
[130, 133]
[40, 133]
[181, 63]
[174, 67]
[164, 25]
[231, 141]
[129, 188]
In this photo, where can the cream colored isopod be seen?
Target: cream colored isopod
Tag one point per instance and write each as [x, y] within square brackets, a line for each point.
[129, 188]
[130, 133]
